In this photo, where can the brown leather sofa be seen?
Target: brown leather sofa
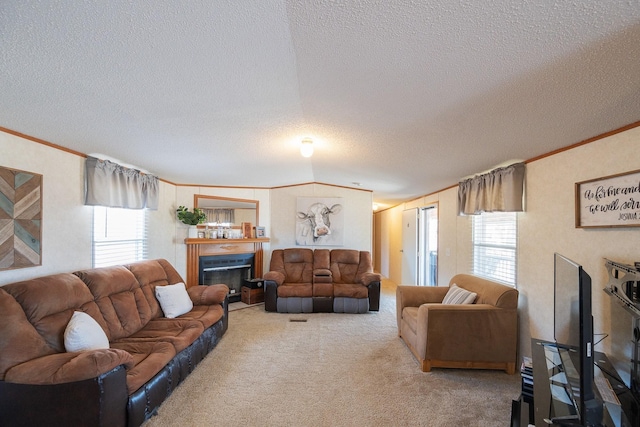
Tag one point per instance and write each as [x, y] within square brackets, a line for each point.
[148, 355]
[481, 335]
[302, 280]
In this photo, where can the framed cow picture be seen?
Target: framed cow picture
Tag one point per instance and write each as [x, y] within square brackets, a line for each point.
[319, 221]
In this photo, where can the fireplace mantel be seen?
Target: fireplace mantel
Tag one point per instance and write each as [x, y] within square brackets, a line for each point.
[205, 247]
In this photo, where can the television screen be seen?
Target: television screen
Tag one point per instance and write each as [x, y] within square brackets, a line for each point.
[573, 331]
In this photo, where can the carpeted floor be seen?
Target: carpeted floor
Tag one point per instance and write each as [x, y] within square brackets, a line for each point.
[329, 369]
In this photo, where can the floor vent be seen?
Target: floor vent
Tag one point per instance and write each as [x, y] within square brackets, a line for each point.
[298, 320]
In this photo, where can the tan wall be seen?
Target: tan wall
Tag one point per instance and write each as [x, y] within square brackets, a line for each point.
[546, 227]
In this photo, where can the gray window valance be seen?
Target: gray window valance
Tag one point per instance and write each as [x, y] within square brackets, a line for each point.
[500, 190]
[109, 184]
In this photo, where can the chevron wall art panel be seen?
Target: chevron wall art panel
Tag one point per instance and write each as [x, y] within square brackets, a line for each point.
[20, 219]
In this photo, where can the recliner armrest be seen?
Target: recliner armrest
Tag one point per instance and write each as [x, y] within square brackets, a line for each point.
[368, 278]
[274, 276]
[208, 295]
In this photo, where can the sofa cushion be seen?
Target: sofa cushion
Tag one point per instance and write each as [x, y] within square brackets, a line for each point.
[19, 340]
[179, 332]
[49, 303]
[457, 295]
[121, 301]
[67, 367]
[84, 333]
[152, 273]
[149, 357]
[295, 290]
[295, 264]
[205, 314]
[174, 300]
[350, 290]
[349, 265]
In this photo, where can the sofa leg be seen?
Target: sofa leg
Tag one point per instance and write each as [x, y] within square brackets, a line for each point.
[426, 366]
[511, 368]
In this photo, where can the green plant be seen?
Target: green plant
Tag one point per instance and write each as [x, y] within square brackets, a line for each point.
[191, 218]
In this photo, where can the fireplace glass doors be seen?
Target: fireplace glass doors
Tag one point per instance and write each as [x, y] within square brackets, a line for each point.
[232, 270]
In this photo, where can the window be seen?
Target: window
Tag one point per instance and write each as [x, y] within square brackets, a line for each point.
[495, 246]
[119, 236]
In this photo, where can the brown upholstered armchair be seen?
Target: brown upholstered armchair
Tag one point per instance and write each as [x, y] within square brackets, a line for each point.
[481, 335]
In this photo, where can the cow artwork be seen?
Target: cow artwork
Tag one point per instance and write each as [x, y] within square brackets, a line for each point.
[319, 222]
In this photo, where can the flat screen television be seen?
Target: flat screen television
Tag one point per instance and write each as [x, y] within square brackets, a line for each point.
[573, 334]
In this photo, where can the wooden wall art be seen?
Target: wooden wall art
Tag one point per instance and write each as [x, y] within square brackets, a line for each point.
[20, 219]
[611, 201]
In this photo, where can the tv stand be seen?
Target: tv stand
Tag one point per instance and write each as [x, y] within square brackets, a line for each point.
[550, 407]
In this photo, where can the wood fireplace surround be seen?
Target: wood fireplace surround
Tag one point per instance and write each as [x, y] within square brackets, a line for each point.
[197, 248]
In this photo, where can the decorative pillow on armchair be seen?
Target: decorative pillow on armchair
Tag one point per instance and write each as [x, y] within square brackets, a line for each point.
[174, 300]
[457, 295]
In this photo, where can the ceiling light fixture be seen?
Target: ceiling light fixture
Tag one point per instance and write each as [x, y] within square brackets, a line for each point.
[306, 147]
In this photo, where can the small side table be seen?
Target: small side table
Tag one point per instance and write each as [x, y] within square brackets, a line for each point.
[253, 291]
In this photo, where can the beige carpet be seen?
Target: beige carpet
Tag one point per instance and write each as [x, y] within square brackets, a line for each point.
[332, 370]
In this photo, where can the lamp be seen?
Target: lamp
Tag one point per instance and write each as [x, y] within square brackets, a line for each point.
[306, 147]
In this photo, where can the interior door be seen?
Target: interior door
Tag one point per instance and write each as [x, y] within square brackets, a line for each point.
[410, 247]
[428, 246]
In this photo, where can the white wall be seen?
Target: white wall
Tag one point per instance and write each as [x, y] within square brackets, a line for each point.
[184, 196]
[546, 227]
[66, 222]
[63, 213]
[357, 208]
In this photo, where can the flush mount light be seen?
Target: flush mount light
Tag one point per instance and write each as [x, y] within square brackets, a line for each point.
[306, 147]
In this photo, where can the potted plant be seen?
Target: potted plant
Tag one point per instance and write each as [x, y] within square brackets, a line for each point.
[192, 219]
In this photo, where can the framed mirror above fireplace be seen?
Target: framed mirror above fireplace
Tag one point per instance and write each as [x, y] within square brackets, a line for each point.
[228, 211]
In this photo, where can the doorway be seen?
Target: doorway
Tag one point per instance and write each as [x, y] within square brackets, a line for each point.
[420, 246]
[428, 246]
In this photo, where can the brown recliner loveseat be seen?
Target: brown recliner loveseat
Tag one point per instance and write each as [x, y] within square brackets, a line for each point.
[303, 280]
[148, 354]
[482, 334]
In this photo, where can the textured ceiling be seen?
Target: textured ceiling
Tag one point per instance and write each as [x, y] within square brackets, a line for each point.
[403, 97]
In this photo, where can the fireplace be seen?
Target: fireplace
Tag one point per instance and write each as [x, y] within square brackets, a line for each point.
[232, 270]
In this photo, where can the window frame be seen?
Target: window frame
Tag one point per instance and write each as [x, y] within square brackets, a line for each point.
[494, 240]
[119, 244]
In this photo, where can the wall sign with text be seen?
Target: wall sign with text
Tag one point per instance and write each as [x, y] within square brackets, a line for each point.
[611, 201]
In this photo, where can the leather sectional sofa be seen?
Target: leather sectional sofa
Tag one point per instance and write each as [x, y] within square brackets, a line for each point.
[303, 280]
[147, 356]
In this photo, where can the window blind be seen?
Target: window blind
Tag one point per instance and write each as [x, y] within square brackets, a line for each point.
[495, 246]
[119, 236]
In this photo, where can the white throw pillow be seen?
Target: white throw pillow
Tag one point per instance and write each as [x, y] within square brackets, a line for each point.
[174, 300]
[457, 295]
[84, 333]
